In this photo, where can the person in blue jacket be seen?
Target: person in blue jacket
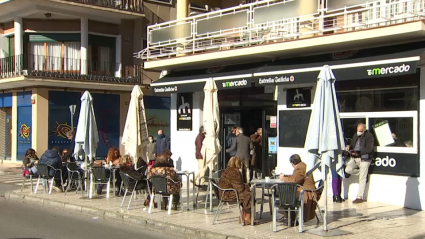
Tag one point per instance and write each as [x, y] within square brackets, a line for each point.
[162, 143]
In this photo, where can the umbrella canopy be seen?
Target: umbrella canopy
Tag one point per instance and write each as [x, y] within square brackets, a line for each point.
[324, 135]
[87, 136]
[211, 145]
[324, 139]
[135, 131]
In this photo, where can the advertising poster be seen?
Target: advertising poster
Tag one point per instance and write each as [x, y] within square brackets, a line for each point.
[272, 145]
[298, 97]
[24, 129]
[184, 112]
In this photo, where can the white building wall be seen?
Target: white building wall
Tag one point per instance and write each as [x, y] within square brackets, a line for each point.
[4, 46]
[183, 142]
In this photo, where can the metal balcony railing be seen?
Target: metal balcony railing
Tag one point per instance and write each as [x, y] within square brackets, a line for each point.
[273, 21]
[125, 5]
[69, 68]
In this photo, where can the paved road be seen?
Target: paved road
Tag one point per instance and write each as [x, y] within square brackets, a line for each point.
[21, 220]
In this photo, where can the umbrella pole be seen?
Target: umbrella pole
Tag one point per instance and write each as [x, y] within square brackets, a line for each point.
[325, 191]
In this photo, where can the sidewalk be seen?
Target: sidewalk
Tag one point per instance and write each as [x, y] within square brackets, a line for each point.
[10, 168]
[367, 220]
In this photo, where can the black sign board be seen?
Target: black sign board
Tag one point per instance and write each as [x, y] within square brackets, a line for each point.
[395, 164]
[184, 111]
[290, 78]
[233, 83]
[293, 126]
[298, 97]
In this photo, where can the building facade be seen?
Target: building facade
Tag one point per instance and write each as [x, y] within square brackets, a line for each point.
[265, 58]
[53, 51]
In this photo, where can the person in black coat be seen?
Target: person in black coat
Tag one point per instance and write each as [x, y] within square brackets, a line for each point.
[138, 176]
[162, 143]
[52, 158]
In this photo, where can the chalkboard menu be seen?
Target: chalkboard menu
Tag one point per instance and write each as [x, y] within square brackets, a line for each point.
[293, 125]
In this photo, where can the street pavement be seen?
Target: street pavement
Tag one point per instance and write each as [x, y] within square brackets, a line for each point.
[23, 220]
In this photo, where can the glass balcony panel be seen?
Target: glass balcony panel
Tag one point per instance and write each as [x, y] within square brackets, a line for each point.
[171, 33]
[221, 23]
[284, 10]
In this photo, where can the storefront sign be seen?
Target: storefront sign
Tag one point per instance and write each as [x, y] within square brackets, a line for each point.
[184, 112]
[298, 97]
[375, 71]
[232, 84]
[395, 164]
[272, 145]
[273, 122]
[165, 89]
[292, 78]
[388, 70]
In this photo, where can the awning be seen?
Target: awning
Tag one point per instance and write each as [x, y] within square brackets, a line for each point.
[349, 65]
[226, 77]
[367, 65]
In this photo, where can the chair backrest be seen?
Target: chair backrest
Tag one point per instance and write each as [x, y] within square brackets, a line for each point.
[159, 184]
[126, 180]
[72, 167]
[99, 174]
[217, 174]
[215, 187]
[43, 170]
[287, 193]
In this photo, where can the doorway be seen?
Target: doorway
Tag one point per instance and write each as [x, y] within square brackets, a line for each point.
[6, 133]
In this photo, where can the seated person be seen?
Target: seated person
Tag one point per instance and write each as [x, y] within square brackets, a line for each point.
[52, 158]
[29, 162]
[231, 178]
[163, 168]
[169, 154]
[114, 159]
[127, 167]
[307, 182]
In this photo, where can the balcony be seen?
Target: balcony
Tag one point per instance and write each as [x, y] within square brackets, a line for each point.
[69, 69]
[135, 6]
[271, 22]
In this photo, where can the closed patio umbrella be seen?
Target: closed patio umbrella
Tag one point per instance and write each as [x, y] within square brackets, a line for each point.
[324, 140]
[87, 136]
[211, 121]
[135, 129]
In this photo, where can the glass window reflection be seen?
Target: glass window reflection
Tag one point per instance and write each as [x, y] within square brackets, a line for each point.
[401, 129]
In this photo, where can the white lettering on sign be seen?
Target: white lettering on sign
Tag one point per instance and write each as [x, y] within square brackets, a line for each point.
[235, 83]
[385, 162]
[277, 79]
[165, 89]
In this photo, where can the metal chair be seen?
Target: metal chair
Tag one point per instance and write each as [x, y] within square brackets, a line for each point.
[202, 186]
[159, 184]
[290, 201]
[43, 174]
[74, 175]
[128, 182]
[219, 192]
[25, 177]
[216, 176]
[99, 176]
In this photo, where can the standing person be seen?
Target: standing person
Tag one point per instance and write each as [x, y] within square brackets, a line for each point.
[229, 140]
[198, 146]
[257, 151]
[361, 151]
[150, 150]
[336, 187]
[68, 156]
[161, 143]
[243, 145]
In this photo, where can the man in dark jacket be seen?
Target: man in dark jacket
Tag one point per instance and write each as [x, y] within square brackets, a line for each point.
[243, 145]
[198, 146]
[52, 158]
[361, 150]
[161, 143]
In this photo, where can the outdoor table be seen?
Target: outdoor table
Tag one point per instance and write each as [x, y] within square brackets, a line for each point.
[254, 184]
[187, 174]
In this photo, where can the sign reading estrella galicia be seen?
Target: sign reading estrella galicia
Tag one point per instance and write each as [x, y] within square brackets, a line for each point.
[276, 80]
[165, 89]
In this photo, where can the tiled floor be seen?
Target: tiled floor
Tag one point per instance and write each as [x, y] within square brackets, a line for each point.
[367, 220]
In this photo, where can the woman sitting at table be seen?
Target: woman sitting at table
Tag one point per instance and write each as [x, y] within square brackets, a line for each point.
[127, 167]
[231, 178]
[163, 168]
[114, 159]
[29, 162]
[307, 182]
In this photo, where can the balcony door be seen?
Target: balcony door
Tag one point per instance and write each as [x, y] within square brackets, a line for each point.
[55, 56]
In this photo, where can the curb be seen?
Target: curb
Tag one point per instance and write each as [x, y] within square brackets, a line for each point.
[165, 227]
